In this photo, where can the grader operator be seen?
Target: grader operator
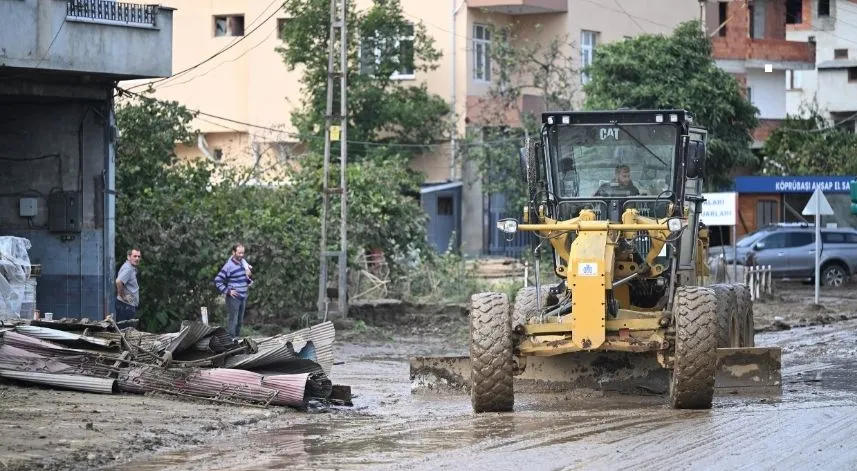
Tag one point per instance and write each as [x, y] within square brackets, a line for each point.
[617, 197]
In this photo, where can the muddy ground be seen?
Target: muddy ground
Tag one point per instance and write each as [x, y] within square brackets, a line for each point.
[810, 423]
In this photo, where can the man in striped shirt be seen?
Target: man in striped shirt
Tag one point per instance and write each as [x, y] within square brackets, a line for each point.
[233, 281]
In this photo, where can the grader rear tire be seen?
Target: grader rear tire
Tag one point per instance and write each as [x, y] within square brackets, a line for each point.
[692, 378]
[729, 324]
[525, 304]
[745, 311]
[491, 363]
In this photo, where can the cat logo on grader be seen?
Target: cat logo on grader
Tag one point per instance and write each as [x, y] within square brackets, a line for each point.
[620, 213]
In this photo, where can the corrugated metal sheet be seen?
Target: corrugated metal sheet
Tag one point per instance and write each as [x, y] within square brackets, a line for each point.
[291, 387]
[321, 336]
[190, 334]
[268, 354]
[74, 382]
[14, 358]
[30, 343]
[45, 333]
[217, 383]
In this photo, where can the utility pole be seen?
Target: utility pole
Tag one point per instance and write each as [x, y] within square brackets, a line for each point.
[338, 46]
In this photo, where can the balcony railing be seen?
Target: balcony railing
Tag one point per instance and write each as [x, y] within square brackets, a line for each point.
[109, 11]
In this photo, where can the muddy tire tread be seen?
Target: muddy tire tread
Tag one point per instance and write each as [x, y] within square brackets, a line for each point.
[745, 312]
[726, 304]
[692, 378]
[491, 372]
[525, 303]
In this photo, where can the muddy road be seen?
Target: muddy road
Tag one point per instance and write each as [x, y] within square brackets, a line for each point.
[809, 425]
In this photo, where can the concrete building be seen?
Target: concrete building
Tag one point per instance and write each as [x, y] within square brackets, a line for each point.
[59, 63]
[248, 83]
[749, 39]
[832, 83]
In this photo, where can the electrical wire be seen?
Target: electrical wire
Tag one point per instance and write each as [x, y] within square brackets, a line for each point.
[218, 53]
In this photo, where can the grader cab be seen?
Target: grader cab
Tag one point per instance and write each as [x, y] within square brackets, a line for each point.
[616, 197]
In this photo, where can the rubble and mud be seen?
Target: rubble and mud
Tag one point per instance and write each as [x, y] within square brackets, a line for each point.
[389, 427]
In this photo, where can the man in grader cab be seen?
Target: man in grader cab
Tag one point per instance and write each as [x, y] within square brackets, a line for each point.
[628, 307]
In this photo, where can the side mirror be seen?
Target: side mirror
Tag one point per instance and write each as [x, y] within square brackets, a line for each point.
[759, 246]
[695, 159]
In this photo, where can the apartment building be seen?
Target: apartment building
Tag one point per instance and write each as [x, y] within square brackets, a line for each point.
[247, 93]
[749, 39]
[832, 83]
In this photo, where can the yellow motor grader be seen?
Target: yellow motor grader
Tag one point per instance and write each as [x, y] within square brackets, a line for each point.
[617, 198]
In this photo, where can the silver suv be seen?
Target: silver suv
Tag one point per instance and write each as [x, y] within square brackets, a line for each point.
[790, 251]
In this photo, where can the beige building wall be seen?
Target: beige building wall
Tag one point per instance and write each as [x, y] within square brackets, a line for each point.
[249, 83]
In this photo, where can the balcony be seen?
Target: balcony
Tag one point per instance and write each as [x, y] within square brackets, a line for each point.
[97, 38]
[520, 7]
[746, 53]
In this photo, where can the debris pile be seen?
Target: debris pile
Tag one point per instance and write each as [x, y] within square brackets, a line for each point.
[199, 361]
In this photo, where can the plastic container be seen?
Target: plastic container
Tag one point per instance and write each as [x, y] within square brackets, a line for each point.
[28, 302]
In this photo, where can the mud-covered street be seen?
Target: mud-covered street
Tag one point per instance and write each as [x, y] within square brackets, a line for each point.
[809, 425]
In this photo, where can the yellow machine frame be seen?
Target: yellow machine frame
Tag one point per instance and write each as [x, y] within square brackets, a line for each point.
[590, 270]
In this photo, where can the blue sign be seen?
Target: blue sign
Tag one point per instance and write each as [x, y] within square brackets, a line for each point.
[805, 184]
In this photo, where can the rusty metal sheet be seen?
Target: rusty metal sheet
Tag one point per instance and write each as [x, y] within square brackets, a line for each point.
[321, 337]
[64, 337]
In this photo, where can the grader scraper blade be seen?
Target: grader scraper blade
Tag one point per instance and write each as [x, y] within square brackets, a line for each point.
[748, 371]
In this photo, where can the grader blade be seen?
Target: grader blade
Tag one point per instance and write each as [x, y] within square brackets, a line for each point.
[745, 371]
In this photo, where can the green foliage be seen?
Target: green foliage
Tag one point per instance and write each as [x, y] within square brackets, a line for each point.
[806, 145]
[677, 71]
[381, 108]
[187, 218]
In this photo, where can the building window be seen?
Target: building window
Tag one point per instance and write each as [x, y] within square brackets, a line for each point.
[370, 54]
[481, 53]
[794, 12]
[444, 206]
[587, 52]
[823, 7]
[840, 53]
[229, 25]
[766, 212]
[281, 23]
[750, 94]
[794, 79]
[852, 74]
[722, 16]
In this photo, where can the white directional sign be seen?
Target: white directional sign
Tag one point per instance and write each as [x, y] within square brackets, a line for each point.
[817, 205]
[720, 209]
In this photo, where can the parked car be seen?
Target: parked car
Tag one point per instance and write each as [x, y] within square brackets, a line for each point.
[790, 251]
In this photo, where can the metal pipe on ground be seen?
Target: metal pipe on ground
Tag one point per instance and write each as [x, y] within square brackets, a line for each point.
[73, 382]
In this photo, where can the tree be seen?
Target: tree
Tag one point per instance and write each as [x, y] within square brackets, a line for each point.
[184, 216]
[382, 44]
[529, 74]
[677, 71]
[805, 144]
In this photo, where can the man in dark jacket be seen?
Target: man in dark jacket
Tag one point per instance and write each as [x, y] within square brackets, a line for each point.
[621, 184]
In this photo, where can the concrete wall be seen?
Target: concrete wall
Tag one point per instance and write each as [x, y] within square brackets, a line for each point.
[38, 34]
[767, 92]
[73, 281]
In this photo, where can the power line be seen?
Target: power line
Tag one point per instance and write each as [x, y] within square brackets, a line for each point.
[299, 136]
[228, 47]
[172, 84]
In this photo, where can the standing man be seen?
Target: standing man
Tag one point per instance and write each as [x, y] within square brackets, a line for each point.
[233, 281]
[127, 289]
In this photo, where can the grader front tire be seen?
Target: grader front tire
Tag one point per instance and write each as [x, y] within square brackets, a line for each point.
[491, 363]
[692, 378]
[745, 311]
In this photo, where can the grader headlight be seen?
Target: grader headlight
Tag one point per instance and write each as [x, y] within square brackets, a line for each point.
[674, 224]
[509, 226]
